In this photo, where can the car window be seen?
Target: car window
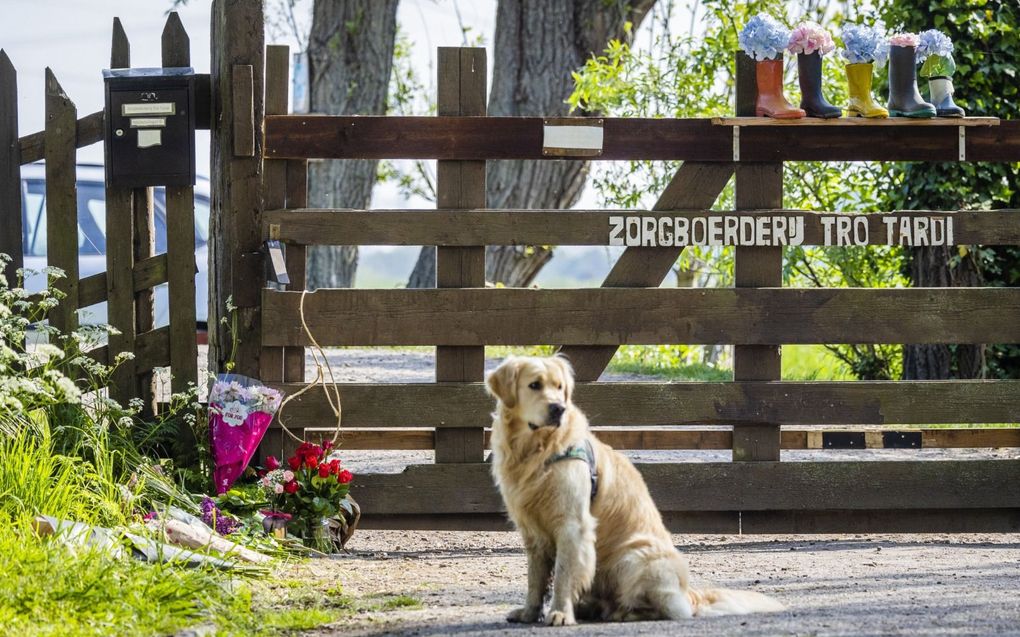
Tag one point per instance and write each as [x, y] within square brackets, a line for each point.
[92, 218]
[33, 205]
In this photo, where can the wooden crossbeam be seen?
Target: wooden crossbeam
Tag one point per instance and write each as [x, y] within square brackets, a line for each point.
[637, 405]
[478, 138]
[628, 316]
[481, 226]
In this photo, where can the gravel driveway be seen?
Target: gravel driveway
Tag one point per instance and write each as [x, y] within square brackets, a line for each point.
[833, 585]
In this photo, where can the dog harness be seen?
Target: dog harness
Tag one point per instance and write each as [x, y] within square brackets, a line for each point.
[584, 452]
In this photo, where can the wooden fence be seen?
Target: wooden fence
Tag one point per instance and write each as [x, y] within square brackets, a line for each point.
[133, 268]
[756, 415]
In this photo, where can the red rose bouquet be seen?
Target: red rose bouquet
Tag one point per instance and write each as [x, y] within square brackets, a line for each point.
[313, 489]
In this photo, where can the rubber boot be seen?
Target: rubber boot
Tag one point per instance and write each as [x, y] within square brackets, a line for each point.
[862, 104]
[771, 102]
[904, 98]
[809, 69]
[941, 91]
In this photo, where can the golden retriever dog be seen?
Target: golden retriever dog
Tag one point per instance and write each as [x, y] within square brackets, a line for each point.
[607, 557]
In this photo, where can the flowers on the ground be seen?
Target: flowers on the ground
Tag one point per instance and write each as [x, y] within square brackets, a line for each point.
[864, 44]
[935, 49]
[311, 490]
[763, 38]
[810, 37]
[223, 523]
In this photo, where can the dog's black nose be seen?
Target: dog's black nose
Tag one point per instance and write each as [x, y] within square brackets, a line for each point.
[555, 412]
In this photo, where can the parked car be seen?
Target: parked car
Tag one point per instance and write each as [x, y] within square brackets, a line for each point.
[92, 236]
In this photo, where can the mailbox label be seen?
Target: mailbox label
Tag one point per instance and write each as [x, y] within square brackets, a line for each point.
[157, 108]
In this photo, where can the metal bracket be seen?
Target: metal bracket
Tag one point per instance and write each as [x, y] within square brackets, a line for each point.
[963, 143]
[277, 262]
[736, 143]
[901, 439]
[843, 440]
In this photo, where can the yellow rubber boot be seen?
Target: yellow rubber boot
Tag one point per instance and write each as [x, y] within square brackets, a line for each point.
[862, 104]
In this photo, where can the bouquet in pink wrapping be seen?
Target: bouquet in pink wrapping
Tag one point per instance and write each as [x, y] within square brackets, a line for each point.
[240, 410]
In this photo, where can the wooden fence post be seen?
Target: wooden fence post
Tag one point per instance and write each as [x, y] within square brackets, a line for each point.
[274, 196]
[235, 262]
[460, 184]
[758, 185]
[121, 255]
[62, 200]
[180, 240]
[11, 232]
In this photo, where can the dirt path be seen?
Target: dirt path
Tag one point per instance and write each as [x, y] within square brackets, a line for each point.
[832, 585]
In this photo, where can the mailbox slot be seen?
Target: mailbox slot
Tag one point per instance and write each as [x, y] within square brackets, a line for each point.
[150, 127]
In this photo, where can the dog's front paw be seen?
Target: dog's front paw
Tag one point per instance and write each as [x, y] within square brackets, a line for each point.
[559, 618]
[524, 615]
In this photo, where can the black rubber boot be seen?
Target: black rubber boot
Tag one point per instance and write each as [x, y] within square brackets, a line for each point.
[904, 98]
[941, 90]
[809, 68]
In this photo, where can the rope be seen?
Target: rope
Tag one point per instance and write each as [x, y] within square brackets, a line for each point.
[331, 389]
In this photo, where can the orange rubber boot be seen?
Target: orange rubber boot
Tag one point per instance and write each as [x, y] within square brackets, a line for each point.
[771, 102]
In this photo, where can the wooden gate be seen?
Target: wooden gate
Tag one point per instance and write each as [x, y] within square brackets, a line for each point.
[133, 266]
[756, 492]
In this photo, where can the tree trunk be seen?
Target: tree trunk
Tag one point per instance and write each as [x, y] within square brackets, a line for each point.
[350, 53]
[538, 44]
[932, 267]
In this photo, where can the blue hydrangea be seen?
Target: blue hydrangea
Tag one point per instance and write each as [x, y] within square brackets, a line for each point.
[864, 44]
[763, 38]
[934, 42]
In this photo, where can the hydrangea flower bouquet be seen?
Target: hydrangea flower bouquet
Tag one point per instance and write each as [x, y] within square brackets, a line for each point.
[764, 40]
[935, 50]
[863, 47]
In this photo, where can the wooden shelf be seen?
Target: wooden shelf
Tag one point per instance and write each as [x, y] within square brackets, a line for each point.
[856, 121]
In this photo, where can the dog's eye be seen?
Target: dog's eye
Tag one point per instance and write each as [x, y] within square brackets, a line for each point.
[535, 385]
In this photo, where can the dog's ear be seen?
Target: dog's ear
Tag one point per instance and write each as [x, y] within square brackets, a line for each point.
[568, 374]
[502, 383]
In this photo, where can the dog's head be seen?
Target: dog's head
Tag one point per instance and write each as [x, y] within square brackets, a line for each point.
[535, 390]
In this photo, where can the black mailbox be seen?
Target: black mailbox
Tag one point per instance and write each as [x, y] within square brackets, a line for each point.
[150, 127]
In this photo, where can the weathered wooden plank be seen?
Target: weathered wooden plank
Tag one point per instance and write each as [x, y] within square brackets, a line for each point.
[467, 138]
[61, 201]
[89, 130]
[297, 197]
[235, 218]
[122, 239]
[728, 486]
[180, 238]
[622, 316]
[274, 194]
[473, 227]
[730, 403]
[461, 90]
[968, 122]
[243, 91]
[152, 350]
[752, 522]
[758, 186]
[119, 287]
[11, 231]
[145, 318]
[695, 185]
[147, 273]
[693, 439]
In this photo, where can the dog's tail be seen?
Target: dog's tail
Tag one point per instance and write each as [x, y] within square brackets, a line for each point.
[714, 602]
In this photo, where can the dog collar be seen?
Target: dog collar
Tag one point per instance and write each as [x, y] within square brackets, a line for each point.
[583, 451]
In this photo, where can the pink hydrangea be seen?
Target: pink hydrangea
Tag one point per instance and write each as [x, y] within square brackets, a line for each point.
[904, 39]
[810, 37]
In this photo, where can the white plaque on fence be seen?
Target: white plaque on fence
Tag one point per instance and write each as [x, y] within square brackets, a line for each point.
[572, 137]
